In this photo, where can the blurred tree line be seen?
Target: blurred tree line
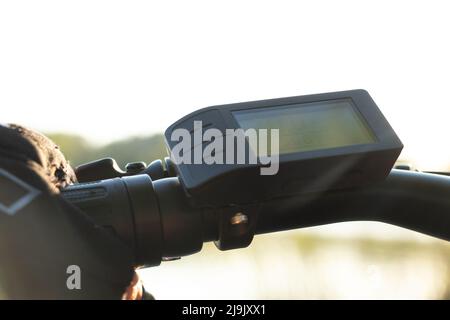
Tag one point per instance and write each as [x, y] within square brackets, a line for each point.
[78, 150]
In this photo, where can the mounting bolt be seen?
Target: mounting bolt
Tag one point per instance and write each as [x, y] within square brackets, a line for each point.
[166, 259]
[239, 218]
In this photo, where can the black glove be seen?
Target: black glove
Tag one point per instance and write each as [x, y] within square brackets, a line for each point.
[44, 241]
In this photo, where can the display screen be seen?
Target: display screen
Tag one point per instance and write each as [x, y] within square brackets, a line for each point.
[310, 126]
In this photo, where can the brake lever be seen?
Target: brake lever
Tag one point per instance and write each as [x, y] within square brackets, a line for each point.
[107, 168]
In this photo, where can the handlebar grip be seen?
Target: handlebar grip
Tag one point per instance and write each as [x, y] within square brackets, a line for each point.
[128, 207]
[153, 218]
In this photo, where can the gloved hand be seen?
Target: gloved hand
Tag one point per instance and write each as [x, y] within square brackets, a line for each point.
[41, 235]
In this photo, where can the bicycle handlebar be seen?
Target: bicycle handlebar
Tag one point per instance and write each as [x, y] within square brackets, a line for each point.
[157, 221]
[413, 200]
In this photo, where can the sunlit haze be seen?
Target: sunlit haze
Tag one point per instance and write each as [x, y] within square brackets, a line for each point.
[107, 70]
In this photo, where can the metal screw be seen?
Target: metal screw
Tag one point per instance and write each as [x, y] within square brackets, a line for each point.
[166, 259]
[239, 218]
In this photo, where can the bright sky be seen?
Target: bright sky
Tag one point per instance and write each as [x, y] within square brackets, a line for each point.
[110, 69]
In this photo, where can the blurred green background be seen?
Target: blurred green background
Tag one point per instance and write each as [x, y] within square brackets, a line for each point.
[358, 260]
[78, 150]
